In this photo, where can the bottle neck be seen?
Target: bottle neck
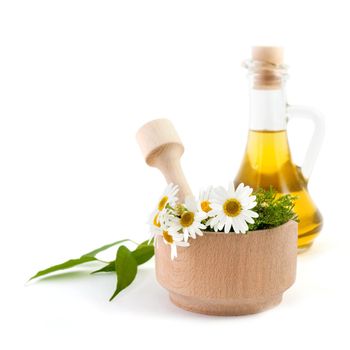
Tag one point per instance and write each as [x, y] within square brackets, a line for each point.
[267, 146]
[268, 109]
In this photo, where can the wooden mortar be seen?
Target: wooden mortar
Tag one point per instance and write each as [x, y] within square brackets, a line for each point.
[219, 274]
[230, 274]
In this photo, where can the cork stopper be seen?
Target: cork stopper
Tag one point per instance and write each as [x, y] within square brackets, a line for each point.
[268, 68]
[268, 54]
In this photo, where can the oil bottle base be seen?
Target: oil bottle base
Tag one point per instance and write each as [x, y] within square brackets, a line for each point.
[306, 240]
[305, 247]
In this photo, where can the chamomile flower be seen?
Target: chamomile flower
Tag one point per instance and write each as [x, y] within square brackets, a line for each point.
[174, 239]
[160, 222]
[168, 197]
[190, 221]
[232, 208]
[205, 199]
[159, 215]
[156, 221]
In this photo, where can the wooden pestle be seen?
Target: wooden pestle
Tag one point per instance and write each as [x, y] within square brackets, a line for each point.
[162, 148]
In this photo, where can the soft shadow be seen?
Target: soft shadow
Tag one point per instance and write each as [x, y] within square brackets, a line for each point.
[146, 296]
[79, 272]
[317, 249]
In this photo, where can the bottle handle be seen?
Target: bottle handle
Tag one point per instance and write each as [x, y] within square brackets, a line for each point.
[317, 136]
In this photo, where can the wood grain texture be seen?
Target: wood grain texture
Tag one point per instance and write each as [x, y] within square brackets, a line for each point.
[162, 148]
[230, 274]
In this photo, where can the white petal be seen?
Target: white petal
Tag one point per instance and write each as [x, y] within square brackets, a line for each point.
[248, 200]
[199, 232]
[243, 225]
[228, 225]
[221, 225]
[248, 191]
[249, 206]
[213, 221]
[247, 218]
[251, 213]
[173, 251]
[185, 235]
[230, 189]
[239, 189]
[183, 244]
[192, 233]
[215, 211]
[220, 193]
[234, 225]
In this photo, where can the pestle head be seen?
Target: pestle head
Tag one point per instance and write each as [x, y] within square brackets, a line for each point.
[162, 148]
[158, 138]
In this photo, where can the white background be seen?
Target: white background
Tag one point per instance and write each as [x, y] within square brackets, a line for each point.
[77, 79]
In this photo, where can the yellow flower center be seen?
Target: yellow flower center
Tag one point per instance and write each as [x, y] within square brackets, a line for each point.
[162, 203]
[179, 209]
[232, 207]
[156, 221]
[187, 219]
[205, 205]
[168, 237]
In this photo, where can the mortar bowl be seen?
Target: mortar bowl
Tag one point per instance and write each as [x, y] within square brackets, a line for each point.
[230, 274]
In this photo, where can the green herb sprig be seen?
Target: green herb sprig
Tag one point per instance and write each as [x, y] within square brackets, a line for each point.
[273, 209]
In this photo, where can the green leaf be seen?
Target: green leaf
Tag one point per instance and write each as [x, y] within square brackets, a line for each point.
[74, 262]
[66, 265]
[126, 269]
[143, 253]
[98, 250]
[108, 268]
[146, 243]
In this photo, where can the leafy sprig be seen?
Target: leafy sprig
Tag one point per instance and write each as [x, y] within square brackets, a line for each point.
[125, 265]
[274, 209]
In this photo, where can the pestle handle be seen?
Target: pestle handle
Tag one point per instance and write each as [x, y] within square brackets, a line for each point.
[162, 148]
[168, 162]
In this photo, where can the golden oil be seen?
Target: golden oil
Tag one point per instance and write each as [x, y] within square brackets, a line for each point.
[267, 161]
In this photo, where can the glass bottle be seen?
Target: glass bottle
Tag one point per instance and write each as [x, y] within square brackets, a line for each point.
[267, 159]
